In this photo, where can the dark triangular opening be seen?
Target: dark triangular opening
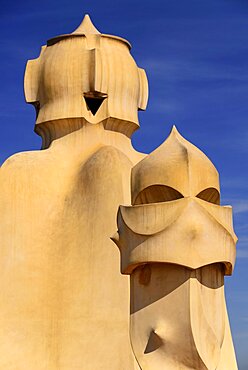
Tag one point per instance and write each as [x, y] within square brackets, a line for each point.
[94, 103]
[153, 343]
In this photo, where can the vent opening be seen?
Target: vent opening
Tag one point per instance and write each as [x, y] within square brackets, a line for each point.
[156, 194]
[94, 100]
[210, 195]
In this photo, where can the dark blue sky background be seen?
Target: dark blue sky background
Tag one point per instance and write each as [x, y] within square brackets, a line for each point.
[195, 53]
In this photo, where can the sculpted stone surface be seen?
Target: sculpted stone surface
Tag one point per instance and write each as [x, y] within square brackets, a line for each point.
[177, 243]
[77, 74]
[65, 302]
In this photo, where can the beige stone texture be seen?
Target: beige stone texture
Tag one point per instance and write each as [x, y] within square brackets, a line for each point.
[64, 303]
[84, 65]
[177, 243]
[67, 300]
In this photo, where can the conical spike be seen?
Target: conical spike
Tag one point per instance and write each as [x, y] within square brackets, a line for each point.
[175, 156]
[174, 129]
[86, 27]
[176, 134]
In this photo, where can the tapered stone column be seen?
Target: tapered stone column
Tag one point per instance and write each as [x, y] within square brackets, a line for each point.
[64, 303]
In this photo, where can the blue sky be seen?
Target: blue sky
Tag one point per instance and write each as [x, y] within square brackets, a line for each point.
[195, 53]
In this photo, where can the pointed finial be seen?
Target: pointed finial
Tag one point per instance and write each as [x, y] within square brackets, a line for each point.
[175, 131]
[86, 27]
[176, 134]
[177, 164]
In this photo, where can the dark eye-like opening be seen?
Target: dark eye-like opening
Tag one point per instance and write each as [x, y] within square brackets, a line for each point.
[156, 194]
[94, 100]
[210, 195]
